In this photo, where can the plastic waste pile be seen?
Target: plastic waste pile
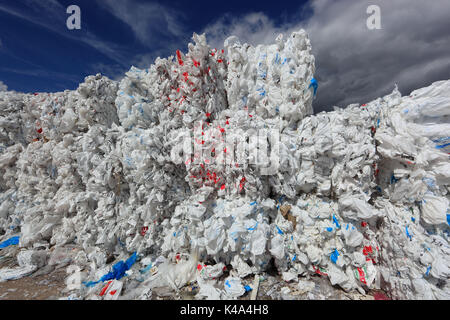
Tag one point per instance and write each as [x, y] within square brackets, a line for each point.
[209, 167]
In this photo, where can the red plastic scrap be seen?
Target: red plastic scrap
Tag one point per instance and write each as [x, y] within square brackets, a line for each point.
[317, 270]
[241, 184]
[377, 171]
[200, 267]
[367, 250]
[180, 61]
[144, 231]
[105, 288]
[362, 277]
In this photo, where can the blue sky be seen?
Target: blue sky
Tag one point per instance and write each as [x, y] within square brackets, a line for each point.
[353, 64]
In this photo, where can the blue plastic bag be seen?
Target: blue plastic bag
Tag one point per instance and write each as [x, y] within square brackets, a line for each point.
[334, 256]
[314, 84]
[10, 242]
[408, 234]
[117, 272]
[336, 222]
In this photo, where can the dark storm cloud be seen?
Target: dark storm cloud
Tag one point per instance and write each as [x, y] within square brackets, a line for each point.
[355, 64]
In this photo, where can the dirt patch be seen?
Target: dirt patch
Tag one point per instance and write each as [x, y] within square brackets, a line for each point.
[43, 287]
[40, 285]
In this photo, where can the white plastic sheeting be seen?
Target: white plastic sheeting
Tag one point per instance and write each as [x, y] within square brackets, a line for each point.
[357, 195]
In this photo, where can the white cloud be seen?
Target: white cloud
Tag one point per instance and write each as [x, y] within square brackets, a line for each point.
[113, 71]
[3, 87]
[355, 64]
[149, 21]
[254, 28]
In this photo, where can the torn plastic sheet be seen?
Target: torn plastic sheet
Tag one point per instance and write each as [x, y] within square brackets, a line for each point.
[16, 273]
[29, 261]
[234, 287]
[112, 290]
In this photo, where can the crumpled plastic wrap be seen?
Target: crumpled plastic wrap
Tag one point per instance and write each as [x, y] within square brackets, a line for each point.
[153, 164]
[269, 80]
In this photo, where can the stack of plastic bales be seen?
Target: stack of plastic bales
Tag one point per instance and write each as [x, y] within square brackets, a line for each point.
[209, 167]
[46, 178]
